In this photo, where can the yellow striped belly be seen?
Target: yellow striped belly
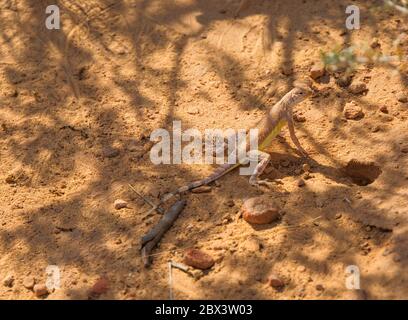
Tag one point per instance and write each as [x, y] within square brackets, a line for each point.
[268, 140]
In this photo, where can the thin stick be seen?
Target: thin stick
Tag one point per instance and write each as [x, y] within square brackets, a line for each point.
[154, 206]
[150, 240]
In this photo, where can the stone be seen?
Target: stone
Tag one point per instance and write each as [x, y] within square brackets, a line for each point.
[275, 282]
[352, 111]
[120, 204]
[29, 282]
[101, 286]
[358, 87]
[319, 287]
[8, 281]
[317, 71]
[40, 290]
[198, 259]
[402, 97]
[258, 210]
[384, 109]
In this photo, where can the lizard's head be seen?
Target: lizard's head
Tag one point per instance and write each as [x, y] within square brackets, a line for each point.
[301, 92]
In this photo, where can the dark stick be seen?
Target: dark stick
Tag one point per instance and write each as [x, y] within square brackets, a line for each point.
[150, 240]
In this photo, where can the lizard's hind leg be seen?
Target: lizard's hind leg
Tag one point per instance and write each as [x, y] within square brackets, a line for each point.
[263, 158]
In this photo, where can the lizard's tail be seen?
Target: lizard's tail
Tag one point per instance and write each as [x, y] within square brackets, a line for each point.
[221, 171]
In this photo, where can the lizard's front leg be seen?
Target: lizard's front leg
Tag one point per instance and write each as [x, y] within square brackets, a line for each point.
[263, 158]
[295, 140]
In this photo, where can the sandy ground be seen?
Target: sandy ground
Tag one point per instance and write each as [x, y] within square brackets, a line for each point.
[77, 107]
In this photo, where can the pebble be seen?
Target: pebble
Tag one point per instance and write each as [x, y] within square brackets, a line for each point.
[352, 111]
[202, 189]
[40, 290]
[120, 204]
[301, 269]
[259, 211]
[8, 281]
[358, 87]
[402, 97]
[319, 287]
[29, 283]
[317, 71]
[275, 282]
[384, 109]
[198, 259]
[100, 286]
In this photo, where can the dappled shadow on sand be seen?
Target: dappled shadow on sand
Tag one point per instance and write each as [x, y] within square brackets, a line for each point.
[98, 86]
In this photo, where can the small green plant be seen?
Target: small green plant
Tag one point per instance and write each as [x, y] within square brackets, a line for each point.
[346, 60]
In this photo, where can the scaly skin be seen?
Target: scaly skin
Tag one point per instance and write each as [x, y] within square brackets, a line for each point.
[278, 116]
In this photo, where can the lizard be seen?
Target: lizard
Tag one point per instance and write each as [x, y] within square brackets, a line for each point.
[272, 123]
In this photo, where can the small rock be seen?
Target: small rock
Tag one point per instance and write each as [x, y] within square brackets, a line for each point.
[317, 71]
[202, 189]
[384, 109]
[385, 117]
[404, 149]
[275, 282]
[8, 281]
[306, 167]
[358, 87]
[100, 286]
[29, 283]
[338, 216]
[259, 211]
[198, 259]
[352, 111]
[301, 269]
[40, 290]
[301, 183]
[120, 204]
[402, 97]
[319, 287]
